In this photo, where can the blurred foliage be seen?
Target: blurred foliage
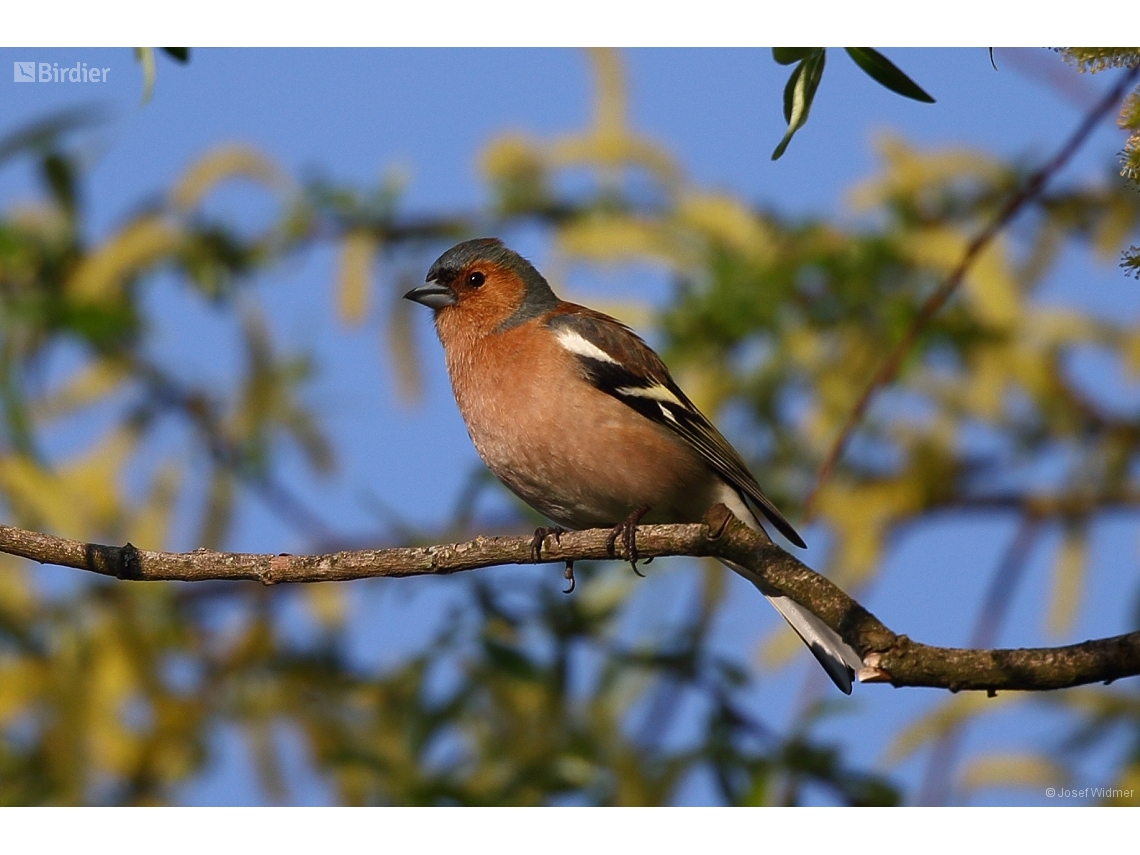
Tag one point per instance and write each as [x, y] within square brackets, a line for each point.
[113, 692]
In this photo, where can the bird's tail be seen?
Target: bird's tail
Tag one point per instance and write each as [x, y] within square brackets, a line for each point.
[837, 657]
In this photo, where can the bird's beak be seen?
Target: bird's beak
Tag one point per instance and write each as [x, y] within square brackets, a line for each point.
[433, 295]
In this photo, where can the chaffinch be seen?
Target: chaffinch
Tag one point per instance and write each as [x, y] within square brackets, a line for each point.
[580, 418]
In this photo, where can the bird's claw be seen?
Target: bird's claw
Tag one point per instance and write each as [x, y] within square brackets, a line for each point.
[627, 530]
[568, 575]
[540, 535]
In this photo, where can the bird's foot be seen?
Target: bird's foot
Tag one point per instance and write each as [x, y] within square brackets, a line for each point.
[540, 535]
[568, 575]
[627, 531]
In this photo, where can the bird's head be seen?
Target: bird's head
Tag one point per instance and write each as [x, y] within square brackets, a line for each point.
[480, 287]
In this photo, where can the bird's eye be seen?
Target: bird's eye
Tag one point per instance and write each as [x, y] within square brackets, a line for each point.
[475, 279]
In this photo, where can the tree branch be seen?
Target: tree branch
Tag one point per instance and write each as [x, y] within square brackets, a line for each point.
[888, 657]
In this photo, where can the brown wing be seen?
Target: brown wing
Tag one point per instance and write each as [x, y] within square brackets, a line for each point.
[620, 364]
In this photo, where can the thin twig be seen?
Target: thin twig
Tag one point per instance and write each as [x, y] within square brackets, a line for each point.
[937, 300]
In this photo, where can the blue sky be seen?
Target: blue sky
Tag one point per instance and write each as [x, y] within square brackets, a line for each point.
[355, 114]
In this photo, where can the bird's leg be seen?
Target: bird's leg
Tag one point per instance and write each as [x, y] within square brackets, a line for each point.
[540, 535]
[627, 530]
[568, 575]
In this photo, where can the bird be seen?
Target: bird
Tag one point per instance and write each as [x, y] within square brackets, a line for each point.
[581, 419]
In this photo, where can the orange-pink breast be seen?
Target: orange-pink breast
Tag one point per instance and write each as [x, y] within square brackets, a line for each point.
[578, 456]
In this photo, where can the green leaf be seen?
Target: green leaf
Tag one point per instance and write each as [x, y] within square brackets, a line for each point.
[59, 174]
[788, 55]
[179, 53]
[887, 74]
[798, 95]
[789, 91]
[145, 57]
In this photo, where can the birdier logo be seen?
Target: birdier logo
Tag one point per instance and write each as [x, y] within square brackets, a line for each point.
[51, 72]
